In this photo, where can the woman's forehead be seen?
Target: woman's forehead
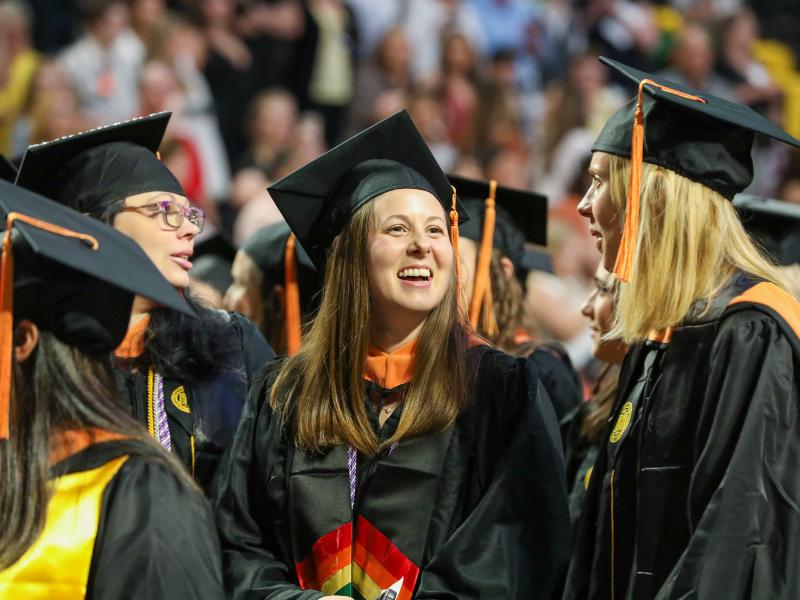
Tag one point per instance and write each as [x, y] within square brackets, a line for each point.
[408, 202]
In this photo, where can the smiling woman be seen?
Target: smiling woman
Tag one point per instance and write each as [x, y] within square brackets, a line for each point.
[184, 378]
[394, 443]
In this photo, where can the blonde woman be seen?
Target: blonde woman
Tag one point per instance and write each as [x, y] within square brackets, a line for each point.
[583, 428]
[695, 491]
[394, 448]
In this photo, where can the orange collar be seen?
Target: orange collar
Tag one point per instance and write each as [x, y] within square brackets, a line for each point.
[390, 369]
[133, 343]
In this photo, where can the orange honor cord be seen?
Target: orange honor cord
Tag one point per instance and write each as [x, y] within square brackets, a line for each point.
[482, 290]
[292, 297]
[7, 304]
[623, 266]
[454, 241]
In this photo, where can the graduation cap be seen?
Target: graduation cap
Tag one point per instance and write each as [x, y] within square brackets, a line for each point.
[774, 224]
[282, 261]
[520, 216]
[319, 199]
[93, 169]
[71, 275]
[700, 136]
[502, 218]
[536, 258]
[8, 172]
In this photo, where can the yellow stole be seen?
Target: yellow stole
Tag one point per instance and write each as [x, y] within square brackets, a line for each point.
[57, 564]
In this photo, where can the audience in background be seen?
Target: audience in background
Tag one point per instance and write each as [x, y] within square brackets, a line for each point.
[503, 89]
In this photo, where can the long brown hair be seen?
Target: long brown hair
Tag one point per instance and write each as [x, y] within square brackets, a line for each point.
[508, 302]
[320, 391]
[57, 386]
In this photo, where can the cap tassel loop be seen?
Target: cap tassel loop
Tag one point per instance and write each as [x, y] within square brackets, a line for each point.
[482, 291]
[7, 304]
[623, 265]
[454, 241]
[292, 297]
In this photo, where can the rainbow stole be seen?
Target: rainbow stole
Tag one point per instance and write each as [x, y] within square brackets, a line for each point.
[360, 566]
[360, 553]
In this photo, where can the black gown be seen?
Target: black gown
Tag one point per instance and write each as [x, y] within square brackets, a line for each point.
[202, 415]
[156, 536]
[477, 511]
[696, 492]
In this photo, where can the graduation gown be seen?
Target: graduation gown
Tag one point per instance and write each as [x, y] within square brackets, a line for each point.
[695, 494]
[154, 536]
[476, 511]
[202, 414]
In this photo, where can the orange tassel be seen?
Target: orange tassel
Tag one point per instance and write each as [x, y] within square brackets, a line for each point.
[7, 305]
[292, 297]
[623, 265]
[482, 292]
[454, 242]
[6, 330]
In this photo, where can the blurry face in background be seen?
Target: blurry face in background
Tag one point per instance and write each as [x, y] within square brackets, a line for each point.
[146, 14]
[694, 56]
[275, 120]
[605, 224]
[217, 12]
[599, 309]
[394, 52]
[244, 294]
[410, 258]
[55, 115]
[111, 23]
[158, 88]
[458, 57]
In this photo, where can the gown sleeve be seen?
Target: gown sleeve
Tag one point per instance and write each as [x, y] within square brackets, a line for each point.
[514, 542]
[253, 566]
[744, 496]
[156, 539]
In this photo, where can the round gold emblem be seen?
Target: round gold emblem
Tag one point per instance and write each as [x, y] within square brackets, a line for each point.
[623, 420]
[180, 400]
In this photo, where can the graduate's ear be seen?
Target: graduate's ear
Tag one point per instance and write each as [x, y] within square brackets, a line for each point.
[26, 338]
[508, 267]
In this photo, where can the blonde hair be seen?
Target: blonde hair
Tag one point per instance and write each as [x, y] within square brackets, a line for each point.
[320, 391]
[690, 241]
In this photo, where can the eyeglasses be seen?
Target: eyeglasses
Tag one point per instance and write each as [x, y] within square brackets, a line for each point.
[174, 213]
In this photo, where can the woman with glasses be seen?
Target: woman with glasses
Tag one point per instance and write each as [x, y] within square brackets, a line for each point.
[185, 378]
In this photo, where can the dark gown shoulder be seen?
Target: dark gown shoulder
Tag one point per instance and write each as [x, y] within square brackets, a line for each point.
[156, 537]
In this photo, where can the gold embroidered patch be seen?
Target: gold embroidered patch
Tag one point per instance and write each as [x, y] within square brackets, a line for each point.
[180, 400]
[587, 478]
[623, 420]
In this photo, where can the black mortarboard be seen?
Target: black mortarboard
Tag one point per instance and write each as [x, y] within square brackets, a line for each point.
[536, 258]
[520, 216]
[267, 248]
[8, 172]
[93, 169]
[72, 275]
[700, 136]
[318, 199]
[707, 140]
[213, 240]
[774, 224]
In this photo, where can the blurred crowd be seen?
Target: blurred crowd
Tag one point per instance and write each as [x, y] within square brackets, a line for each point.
[503, 89]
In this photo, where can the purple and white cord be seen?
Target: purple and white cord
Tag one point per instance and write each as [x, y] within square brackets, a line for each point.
[160, 425]
[352, 470]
